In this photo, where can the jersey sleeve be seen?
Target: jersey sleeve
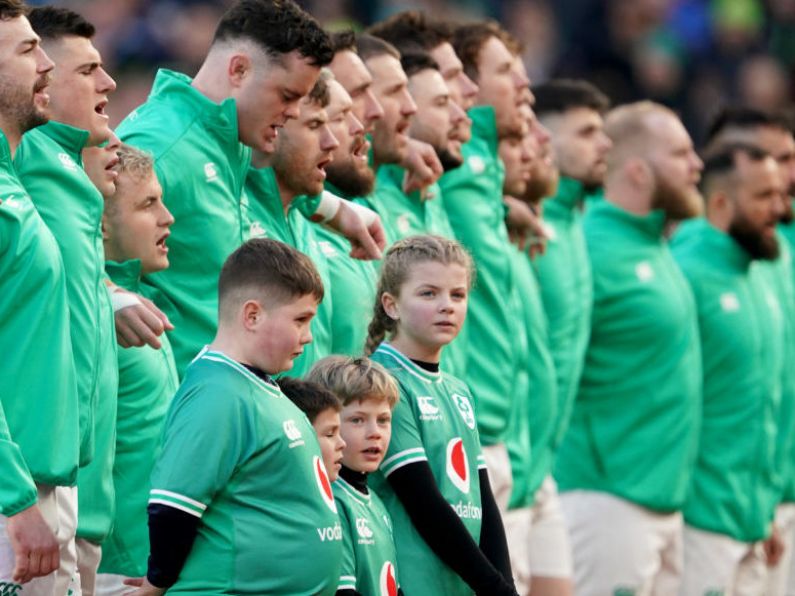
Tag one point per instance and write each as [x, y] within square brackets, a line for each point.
[405, 446]
[348, 567]
[17, 491]
[205, 439]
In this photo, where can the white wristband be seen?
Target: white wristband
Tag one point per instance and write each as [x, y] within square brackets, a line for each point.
[328, 207]
[121, 299]
[367, 215]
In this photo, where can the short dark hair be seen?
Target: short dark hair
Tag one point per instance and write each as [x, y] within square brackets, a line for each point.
[343, 40]
[11, 9]
[469, 39]
[560, 95]
[369, 46]
[746, 117]
[278, 27]
[267, 267]
[412, 30]
[52, 22]
[320, 94]
[310, 398]
[415, 62]
[724, 160]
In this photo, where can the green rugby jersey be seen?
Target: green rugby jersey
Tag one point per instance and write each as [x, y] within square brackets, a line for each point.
[735, 486]
[353, 285]
[434, 421]
[531, 461]
[202, 168]
[564, 275]
[39, 428]
[634, 428]
[49, 164]
[472, 197]
[241, 457]
[408, 215]
[267, 217]
[147, 382]
[787, 444]
[368, 549]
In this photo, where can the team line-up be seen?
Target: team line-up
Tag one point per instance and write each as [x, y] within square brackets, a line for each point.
[371, 314]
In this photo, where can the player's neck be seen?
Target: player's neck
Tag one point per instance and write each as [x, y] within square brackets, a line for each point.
[357, 480]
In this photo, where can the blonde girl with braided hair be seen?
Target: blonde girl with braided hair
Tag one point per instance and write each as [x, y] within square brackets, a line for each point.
[448, 531]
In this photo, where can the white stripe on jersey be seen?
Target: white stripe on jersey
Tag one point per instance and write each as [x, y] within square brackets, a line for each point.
[193, 512]
[179, 497]
[390, 459]
[412, 460]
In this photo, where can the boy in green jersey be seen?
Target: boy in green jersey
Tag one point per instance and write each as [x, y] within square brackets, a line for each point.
[39, 432]
[135, 227]
[368, 394]
[625, 464]
[240, 497]
[433, 479]
[735, 486]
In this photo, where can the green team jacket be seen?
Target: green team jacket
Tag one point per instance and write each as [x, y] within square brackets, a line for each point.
[532, 428]
[202, 168]
[634, 429]
[49, 164]
[39, 429]
[734, 489]
[472, 197]
[787, 416]
[147, 382]
[352, 290]
[268, 219]
[564, 275]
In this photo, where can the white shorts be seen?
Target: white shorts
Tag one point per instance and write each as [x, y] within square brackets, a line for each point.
[58, 506]
[498, 465]
[88, 557]
[110, 584]
[620, 547]
[718, 564]
[781, 578]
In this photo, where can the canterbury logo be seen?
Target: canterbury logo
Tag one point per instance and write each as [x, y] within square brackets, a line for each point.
[291, 430]
[362, 528]
[457, 465]
[426, 405]
[210, 172]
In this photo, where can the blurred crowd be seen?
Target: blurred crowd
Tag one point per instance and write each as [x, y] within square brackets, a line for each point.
[692, 55]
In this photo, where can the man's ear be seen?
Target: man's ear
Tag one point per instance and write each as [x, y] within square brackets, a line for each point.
[239, 69]
[253, 314]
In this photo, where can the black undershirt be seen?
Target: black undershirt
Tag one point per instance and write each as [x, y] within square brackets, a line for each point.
[357, 480]
[429, 366]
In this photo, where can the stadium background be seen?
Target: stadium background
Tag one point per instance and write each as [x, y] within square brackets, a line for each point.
[694, 55]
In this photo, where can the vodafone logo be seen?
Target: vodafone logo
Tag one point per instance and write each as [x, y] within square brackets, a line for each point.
[457, 465]
[388, 581]
[323, 484]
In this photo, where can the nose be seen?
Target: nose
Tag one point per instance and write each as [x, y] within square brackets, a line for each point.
[307, 338]
[408, 107]
[355, 127]
[373, 430]
[373, 110]
[328, 142]
[457, 113]
[167, 219]
[541, 133]
[341, 444]
[469, 88]
[698, 165]
[292, 110]
[105, 82]
[44, 64]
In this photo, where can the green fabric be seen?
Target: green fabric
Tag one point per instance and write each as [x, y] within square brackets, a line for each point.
[202, 168]
[147, 382]
[434, 421]
[472, 196]
[39, 429]
[353, 285]
[530, 464]
[368, 548]
[49, 164]
[634, 429]
[735, 485]
[408, 215]
[241, 457]
[564, 274]
[787, 414]
[266, 213]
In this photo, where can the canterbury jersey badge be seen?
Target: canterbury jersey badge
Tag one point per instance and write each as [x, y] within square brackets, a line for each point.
[644, 272]
[457, 464]
[388, 582]
[292, 433]
[323, 483]
[465, 409]
[67, 162]
[729, 302]
[210, 172]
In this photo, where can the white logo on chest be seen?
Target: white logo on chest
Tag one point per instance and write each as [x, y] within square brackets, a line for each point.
[403, 224]
[476, 164]
[292, 433]
[428, 411]
[465, 409]
[364, 531]
[67, 162]
[644, 272]
[729, 302]
[210, 172]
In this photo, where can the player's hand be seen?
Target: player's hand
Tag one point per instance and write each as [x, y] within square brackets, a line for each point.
[422, 166]
[35, 547]
[144, 587]
[140, 324]
[774, 548]
[362, 227]
[525, 228]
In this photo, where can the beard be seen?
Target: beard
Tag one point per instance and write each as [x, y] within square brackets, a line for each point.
[350, 180]
[789, 215]
[753, 241]
[677, 203]
[18, 106]
[449, 160]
